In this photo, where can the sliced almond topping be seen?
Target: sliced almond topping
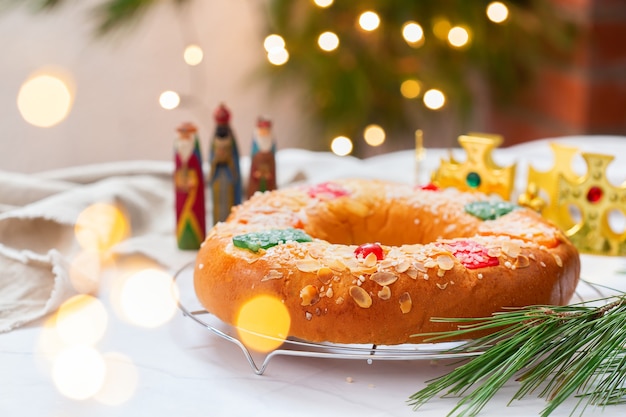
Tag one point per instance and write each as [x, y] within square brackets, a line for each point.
[511, 249]
[329, 292]
[384, 278]
[309, 295]
[403, 266]
[557, 259]
[336, 265]
[361, 297]
[522, 261]
[442, 286]
[272, 274]
[405, 302]
[384, 293]
[308, 265]
[370, 260]
[445, 262]
[412, 273]
[325, 274]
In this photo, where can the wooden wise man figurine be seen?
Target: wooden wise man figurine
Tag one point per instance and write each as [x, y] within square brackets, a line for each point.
[189, 189]
[263, 159]
[224, 177]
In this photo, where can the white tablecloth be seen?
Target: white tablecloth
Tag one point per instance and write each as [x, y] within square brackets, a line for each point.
[183, 369]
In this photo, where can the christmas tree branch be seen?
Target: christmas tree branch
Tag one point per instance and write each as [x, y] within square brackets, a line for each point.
[563, 351]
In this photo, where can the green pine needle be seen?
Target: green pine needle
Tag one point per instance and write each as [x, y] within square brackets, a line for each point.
[558, 352]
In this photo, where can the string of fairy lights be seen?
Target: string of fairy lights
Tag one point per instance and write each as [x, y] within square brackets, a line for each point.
[277, 54]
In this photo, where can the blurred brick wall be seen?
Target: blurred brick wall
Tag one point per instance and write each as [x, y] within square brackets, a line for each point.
[583, 93]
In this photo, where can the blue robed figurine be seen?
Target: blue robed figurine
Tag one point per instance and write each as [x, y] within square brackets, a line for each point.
[224, 175]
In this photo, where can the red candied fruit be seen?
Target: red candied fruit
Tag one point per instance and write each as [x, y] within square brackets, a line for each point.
[471, 254]
[327, 190]
[430, 187]
[367, 248]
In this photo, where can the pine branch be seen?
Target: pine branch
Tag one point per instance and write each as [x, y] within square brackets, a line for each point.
[564, 351]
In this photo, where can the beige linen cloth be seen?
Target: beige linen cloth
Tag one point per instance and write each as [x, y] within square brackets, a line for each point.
[38, 213]
[37, 240]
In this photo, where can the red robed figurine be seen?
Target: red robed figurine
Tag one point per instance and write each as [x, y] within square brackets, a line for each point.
[189, 187]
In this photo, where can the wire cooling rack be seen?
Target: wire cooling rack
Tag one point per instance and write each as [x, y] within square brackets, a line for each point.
[191, 308]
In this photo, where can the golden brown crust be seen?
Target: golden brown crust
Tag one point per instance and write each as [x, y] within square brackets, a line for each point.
[333, 295]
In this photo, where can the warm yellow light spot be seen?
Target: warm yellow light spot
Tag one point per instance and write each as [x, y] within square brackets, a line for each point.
[169, 100]
[44, 100]
[273, 41]
[81, 320]
[410, 88]
[341, 146]
[148, 298]
[434, 99]
[497, 12]
[413, 33]
[263, 323]
[278, 56]
[374, 135]
[78, 372]
[441, 27]
[323, 3]
[458, 36]
[328, 41]
[193, 55]
[369, 21]
[101, 226]
[120, 382]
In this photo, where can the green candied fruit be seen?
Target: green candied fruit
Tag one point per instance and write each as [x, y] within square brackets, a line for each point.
[267, 238]
[489, 210]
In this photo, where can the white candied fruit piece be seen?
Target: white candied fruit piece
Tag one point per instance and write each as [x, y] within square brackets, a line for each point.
[329, 292]
[384, 293]
[307, 265]
[308, 315]
[405, 302]
[384, 278]
[309, 295]
[361, 297]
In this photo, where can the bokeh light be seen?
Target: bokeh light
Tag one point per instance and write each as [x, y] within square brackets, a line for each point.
[78, 372]
[497, 12]
[434, 99]
[374, 135]
[323, 3]
[273, 41]
[341, 146]
[278, 56]
[328, 41]
[410, 88]
[413, 33]
[101, 226]
[369, 21]
[169, 100]
[148, 298]
[193, 55]
[441, 27]
[120, 381]
[458, 36]
[81, 320]
[44, 100]
[263, 323]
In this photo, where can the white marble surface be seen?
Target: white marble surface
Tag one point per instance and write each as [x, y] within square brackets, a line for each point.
[182, 369]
